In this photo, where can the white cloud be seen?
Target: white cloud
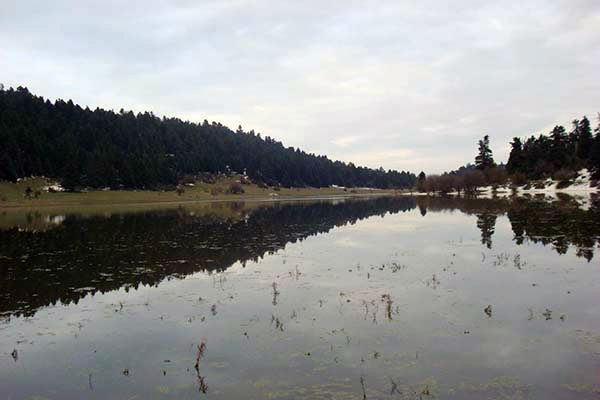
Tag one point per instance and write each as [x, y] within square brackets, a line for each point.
[406, 85]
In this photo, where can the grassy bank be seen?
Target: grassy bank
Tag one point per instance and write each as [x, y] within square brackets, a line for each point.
[14, 195]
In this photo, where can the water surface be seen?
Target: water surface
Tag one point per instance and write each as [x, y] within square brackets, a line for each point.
[322, 299]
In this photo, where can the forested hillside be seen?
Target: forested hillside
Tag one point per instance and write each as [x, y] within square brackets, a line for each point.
[100, 148]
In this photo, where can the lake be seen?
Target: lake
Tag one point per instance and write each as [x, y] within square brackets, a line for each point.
[390, 297]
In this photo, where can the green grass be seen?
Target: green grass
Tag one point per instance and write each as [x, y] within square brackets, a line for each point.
[12, 195]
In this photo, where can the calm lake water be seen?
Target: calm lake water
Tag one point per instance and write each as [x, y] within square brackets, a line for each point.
[345, 299]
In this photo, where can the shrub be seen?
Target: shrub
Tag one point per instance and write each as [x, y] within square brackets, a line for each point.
[564, 174]
[473, 180]
[445, 183]
[207, 177]
[497, 176]
[458, 182]
[187, 179]
[235, 188]
[518, 178]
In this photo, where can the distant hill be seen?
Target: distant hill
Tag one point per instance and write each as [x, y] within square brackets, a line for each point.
[100, 148]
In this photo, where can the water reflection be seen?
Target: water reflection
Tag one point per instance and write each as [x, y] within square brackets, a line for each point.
[42, 266]
[58, 257]
[561, 223]
[402, 297]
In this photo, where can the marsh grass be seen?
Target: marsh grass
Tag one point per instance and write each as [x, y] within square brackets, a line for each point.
[222, 188]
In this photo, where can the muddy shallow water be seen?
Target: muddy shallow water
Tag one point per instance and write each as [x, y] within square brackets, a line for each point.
[382, 298]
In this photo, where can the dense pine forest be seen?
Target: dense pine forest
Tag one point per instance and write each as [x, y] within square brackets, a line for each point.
[100, 148]
[560, 152]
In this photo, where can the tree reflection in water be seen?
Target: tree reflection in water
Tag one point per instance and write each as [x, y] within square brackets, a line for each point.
[47, 259]
[560, 223]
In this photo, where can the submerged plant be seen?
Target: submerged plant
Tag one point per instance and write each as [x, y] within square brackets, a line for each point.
[488, 310]
[275, 293]
[547, 314]
[202, 386]
[362, 384]
[200, 354]
[388, 305]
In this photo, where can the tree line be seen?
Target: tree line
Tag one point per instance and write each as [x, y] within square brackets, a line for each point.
[467, 178]
[102, 148]
[558, 155]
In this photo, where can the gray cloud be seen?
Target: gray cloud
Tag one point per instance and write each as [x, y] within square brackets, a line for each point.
[405, 85]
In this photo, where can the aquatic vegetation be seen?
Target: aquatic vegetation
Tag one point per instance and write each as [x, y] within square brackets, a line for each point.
[275, 293]
[364, 390]
[201, 349]
[387, 299]
[200, 353]
[547, 314]
[488, 310]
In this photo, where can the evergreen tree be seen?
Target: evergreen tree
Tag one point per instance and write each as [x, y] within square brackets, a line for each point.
[584, 143]
[594, 163]
[515, 159]
[484, 159]
[542, 156]
[559, 153]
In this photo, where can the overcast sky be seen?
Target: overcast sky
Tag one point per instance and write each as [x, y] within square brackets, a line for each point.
[402, 84]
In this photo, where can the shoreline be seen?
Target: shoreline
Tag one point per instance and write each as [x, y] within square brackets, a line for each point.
[23, 206]
[34, 193]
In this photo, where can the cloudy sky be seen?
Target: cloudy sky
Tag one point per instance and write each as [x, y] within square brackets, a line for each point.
[400, 84]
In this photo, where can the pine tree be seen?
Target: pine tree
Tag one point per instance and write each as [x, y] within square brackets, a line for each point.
[559, 154]
[515, 159]
[484, 159]
[584, 143]
[594, 161]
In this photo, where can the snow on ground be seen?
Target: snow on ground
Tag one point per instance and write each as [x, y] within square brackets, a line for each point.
[580, 189]
[55, 187]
